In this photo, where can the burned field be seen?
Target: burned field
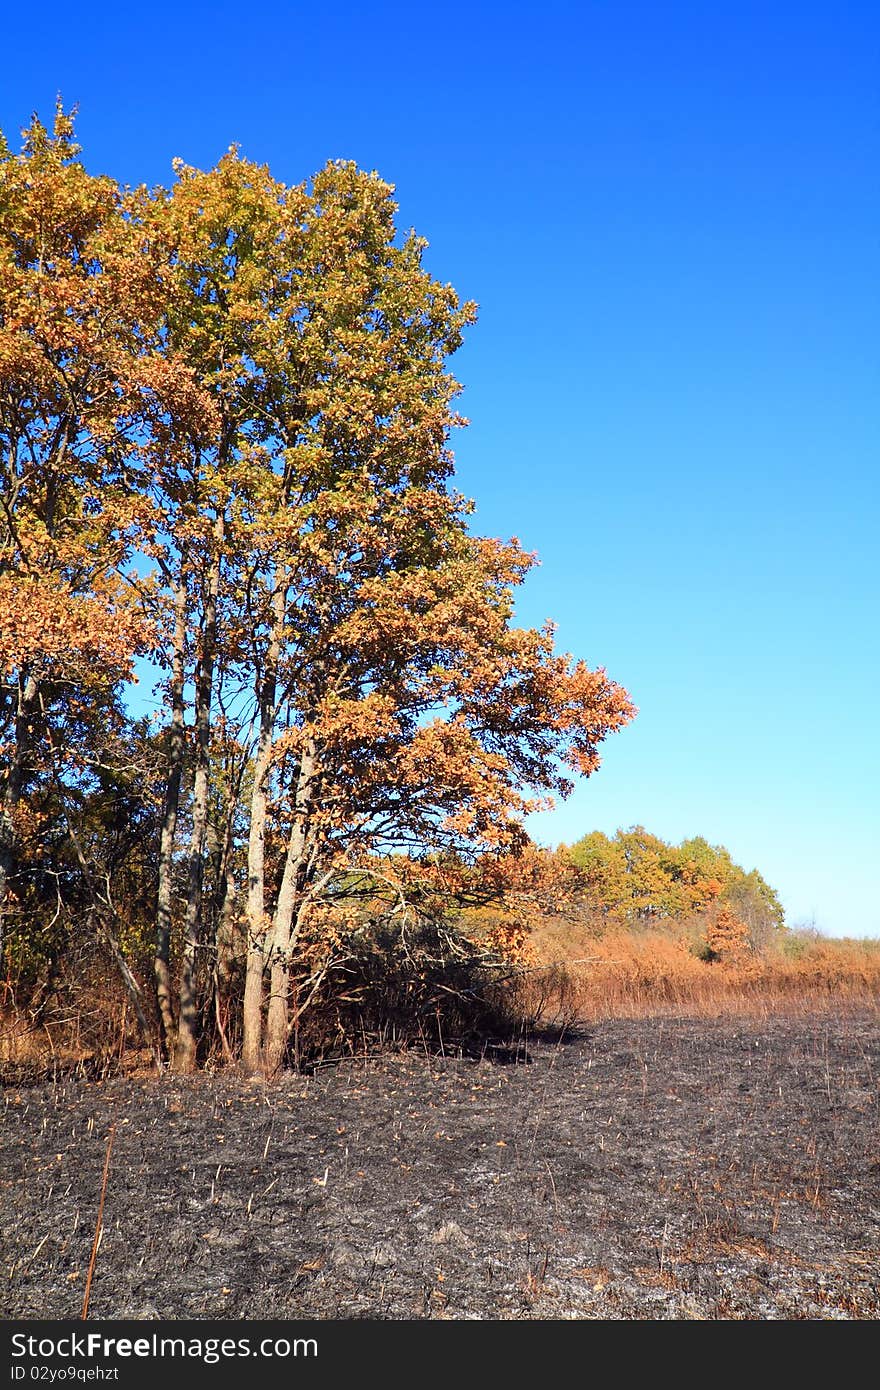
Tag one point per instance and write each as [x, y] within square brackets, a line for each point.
[659, 1168]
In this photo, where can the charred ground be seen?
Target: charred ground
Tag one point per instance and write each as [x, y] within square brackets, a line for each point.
[659, 1168]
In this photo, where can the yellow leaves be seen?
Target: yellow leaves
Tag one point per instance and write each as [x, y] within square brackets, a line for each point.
[42, 623]
[173, 382]
[261, 395]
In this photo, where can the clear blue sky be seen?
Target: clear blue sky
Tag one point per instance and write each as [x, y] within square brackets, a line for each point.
[669, 216]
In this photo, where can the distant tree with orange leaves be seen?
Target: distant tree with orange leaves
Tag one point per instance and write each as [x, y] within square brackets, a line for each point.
[727, 937]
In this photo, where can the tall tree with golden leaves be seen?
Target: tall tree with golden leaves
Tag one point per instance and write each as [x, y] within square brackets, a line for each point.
[248, 383]
[71, 299]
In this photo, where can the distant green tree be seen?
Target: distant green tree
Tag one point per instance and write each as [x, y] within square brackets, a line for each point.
[636, 877]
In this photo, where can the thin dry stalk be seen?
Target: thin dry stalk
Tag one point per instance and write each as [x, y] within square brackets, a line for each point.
[98, 1226]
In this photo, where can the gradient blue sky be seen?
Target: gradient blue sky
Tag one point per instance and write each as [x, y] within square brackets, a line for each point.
[669, 217]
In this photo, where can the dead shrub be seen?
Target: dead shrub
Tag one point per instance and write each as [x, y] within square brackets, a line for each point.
[425, 983]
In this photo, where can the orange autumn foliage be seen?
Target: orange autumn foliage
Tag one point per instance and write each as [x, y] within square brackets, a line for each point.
[225, 413]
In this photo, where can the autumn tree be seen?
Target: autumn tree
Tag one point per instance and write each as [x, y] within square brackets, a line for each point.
[71, 299]
[209, 369]
[746, 894]
[227, 415]
[629, 876]
[727, 937]
[405, 713]
[635, 876]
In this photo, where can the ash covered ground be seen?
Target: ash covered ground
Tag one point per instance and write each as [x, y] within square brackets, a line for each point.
[660, 1168]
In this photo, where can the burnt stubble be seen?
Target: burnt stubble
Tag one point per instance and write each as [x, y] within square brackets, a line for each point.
[640, 1169]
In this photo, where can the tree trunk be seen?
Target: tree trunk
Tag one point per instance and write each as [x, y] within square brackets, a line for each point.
[27, 699]
[226, 931]
[165, 896]
[188, 1018]
[252, 1018]
[252, 1008]
[225, 892]
[278, 1021]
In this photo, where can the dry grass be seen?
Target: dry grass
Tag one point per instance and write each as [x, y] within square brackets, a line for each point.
[582, 975]
[82, 1023]
[28, 1049]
